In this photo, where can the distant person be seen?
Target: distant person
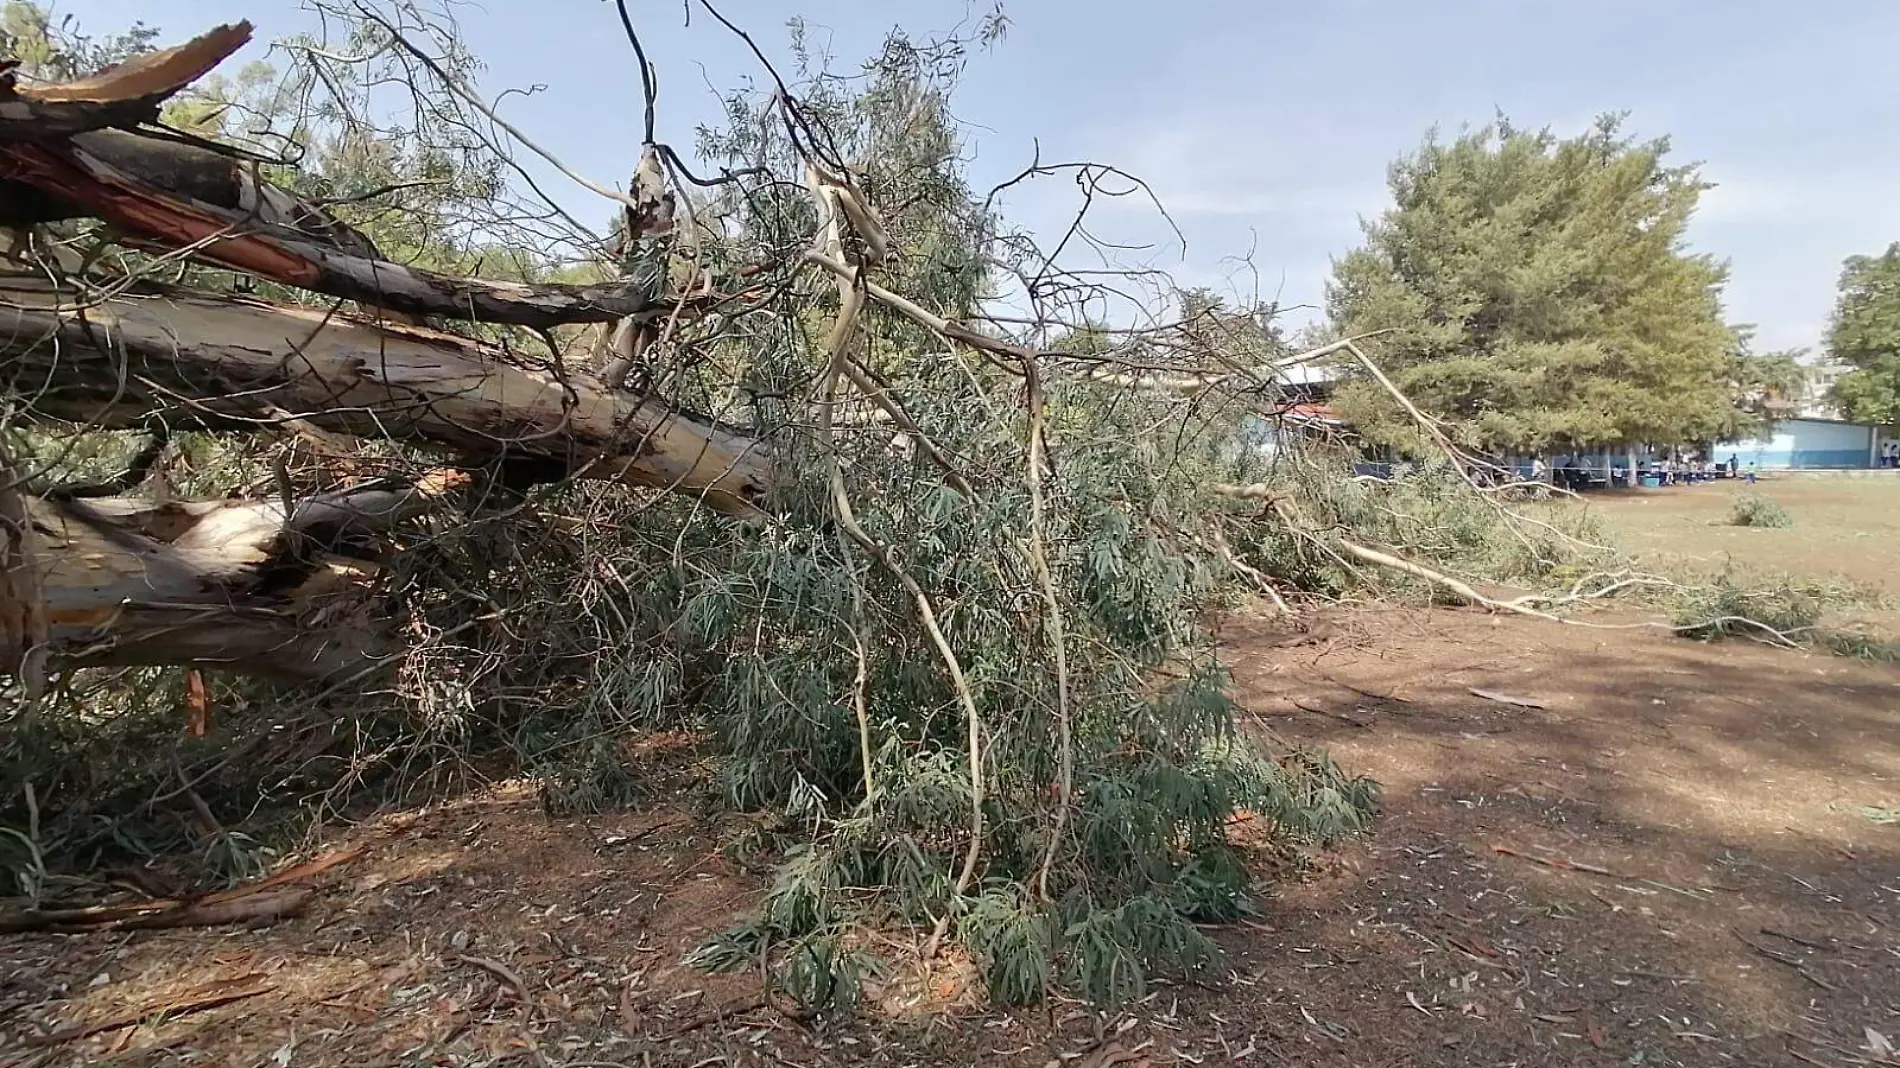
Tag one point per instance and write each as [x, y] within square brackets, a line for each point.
[1751, 472]
[1539, 473]
[1734, 465]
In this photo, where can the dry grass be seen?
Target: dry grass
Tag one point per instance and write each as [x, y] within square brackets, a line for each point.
[1846, 530]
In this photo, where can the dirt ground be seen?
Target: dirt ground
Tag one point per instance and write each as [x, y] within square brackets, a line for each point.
[1634, 850]
[1846, 530]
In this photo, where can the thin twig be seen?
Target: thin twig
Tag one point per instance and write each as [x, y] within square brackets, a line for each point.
[1053, 622]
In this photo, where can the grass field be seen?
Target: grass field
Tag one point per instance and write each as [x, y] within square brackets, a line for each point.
[1846, 530]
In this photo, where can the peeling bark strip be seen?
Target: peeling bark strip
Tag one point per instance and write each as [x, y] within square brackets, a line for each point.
[246, 242]
[124, 95]
[230, 363]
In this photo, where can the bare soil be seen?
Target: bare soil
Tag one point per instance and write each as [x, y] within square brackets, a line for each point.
[1634, 850]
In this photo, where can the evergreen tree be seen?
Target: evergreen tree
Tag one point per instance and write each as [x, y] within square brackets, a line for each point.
[1540, 296]
[1866, 336]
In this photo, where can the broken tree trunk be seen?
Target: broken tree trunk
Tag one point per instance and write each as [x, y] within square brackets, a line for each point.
[122, 95]
[190, 173]
[233, 363]
[243, 584]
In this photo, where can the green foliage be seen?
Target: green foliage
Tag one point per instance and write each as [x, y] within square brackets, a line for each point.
[1866, 335]
[1781, 609]
[1541, 296]
[1425, 512]
[560, 625]
[1755, 510]
[1159, 766]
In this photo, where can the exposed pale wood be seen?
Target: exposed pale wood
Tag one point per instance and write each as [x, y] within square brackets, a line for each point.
[232, 363]
[237, 583]
[127, 93]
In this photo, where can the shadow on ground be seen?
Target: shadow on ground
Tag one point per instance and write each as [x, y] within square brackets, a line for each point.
[1649, 851]
[1694, 871]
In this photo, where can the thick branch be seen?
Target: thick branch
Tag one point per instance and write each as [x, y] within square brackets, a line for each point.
[189, 173]
[264, 243]
[233, 363]
[123, 95]
[238, 583]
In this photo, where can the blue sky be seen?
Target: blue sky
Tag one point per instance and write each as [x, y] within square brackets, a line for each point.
[1266, 128]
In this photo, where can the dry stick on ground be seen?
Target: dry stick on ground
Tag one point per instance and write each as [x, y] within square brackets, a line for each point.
[1058, 642]
[498, 970]
[209, 997]
[248, 902]
[1799, 967]
[1457, 588]
[147, 915]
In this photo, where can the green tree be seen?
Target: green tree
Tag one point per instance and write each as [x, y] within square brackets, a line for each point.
[1540, 296]
[1866, 336]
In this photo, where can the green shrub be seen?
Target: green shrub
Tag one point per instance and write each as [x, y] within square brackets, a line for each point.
[1755, 510]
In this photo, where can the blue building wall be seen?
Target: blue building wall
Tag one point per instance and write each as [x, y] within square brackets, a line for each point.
[1806, 443]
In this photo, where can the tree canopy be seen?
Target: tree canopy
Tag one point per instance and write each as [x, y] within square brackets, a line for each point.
[1539, 295]
[1865, 335]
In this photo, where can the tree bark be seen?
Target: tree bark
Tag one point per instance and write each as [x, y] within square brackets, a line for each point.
[265, 243]
[123, 95]
[231, 363]
[190, 173]
[241, 584]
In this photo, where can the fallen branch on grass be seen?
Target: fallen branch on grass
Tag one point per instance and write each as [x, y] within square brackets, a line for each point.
[254, 902]
[151, 915]
[1463, 591]
[210, 996]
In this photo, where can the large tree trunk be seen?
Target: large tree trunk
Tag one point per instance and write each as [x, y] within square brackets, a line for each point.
[270, 587]
[231, 363]
[243, 584]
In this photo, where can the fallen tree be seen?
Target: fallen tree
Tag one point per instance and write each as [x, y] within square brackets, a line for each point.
[269, 587]
[958, 650]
